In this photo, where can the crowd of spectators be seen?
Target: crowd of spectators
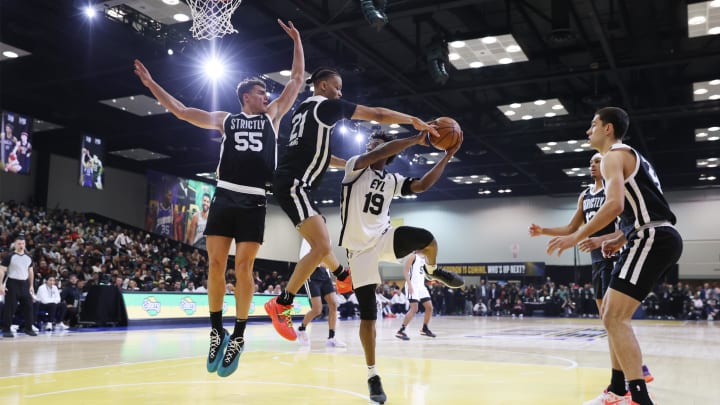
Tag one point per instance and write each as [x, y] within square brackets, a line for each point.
[77, 253]
[513, 299]
[74, 253]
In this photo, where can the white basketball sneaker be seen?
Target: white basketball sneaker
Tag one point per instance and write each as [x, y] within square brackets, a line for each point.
[303, 338]
[334, 342]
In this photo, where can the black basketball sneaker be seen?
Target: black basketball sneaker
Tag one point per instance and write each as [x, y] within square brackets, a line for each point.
[448, 278]
[376, 390]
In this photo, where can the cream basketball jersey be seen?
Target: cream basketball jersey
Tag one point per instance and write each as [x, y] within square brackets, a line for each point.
[365, 205]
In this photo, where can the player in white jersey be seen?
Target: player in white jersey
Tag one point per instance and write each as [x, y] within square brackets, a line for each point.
[369, 238]
[245, 169]
[417, 293]
[650, 244]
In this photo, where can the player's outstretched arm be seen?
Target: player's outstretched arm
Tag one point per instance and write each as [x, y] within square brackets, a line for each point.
[594, 242]
[199, 118]
[388, 116]
[433, 175]
[281, 105]
[611, 168]
[386, 150]
[575, 222]
[337, 162]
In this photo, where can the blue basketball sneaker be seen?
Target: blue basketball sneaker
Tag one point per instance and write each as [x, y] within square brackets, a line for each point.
[218, 343]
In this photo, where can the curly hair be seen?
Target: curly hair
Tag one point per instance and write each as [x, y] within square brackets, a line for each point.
[385, 137]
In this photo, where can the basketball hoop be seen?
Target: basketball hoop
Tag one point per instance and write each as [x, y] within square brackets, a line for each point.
[211, 18]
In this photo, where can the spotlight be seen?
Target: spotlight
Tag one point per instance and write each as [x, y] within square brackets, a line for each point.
[89, 12]
[170, 51]
[374, 12]
[214, 69]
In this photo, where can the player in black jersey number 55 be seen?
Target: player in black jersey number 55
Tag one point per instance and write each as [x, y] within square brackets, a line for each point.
[237, 211]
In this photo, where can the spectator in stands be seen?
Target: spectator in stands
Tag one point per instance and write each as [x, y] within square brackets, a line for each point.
[712, 309]
[383, 304]
[398, 302]
[480, 309]
[518, 308]
[482, 292]
[49, 302]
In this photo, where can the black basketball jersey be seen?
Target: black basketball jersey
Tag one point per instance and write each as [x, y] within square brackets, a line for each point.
[592, 201]
[248, 152]
[308, 149]
[644, 200]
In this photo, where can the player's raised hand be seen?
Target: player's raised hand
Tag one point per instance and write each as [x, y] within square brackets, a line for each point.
[290, 29]
[142, 72]
[421, 125]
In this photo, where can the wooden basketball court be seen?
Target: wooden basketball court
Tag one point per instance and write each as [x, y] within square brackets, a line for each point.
[472, 361]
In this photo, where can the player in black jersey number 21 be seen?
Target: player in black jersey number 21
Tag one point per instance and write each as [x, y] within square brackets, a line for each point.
[302, 167]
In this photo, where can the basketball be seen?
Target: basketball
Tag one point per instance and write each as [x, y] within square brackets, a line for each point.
[449, 131]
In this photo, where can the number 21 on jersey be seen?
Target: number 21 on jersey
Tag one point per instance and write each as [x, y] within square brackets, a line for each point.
[298, 122]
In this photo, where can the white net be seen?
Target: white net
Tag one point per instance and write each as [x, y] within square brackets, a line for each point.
[211, 18]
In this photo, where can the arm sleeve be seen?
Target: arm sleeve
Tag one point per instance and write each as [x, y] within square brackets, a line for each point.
[405, 183]
[331, 111]
[5, 261]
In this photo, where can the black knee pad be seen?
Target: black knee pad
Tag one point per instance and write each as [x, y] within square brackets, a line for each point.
[367, 303]
[409, 239]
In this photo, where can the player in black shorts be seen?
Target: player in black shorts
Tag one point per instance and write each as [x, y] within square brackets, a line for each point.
[302, 167]
[650, 246]
[237, 211]
[590, 201]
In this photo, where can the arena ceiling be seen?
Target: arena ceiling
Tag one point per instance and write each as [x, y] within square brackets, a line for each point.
[650, 57]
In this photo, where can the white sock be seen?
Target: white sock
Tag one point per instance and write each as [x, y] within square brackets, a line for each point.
[430, 268]
[372, 372]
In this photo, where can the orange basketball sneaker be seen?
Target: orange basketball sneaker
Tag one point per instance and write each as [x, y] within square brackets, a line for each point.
[344, 286]
[281, 316]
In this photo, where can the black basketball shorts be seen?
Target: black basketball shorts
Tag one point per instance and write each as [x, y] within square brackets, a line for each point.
[649, 254]
[320, 288]
[294, 198]
[237, 215]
